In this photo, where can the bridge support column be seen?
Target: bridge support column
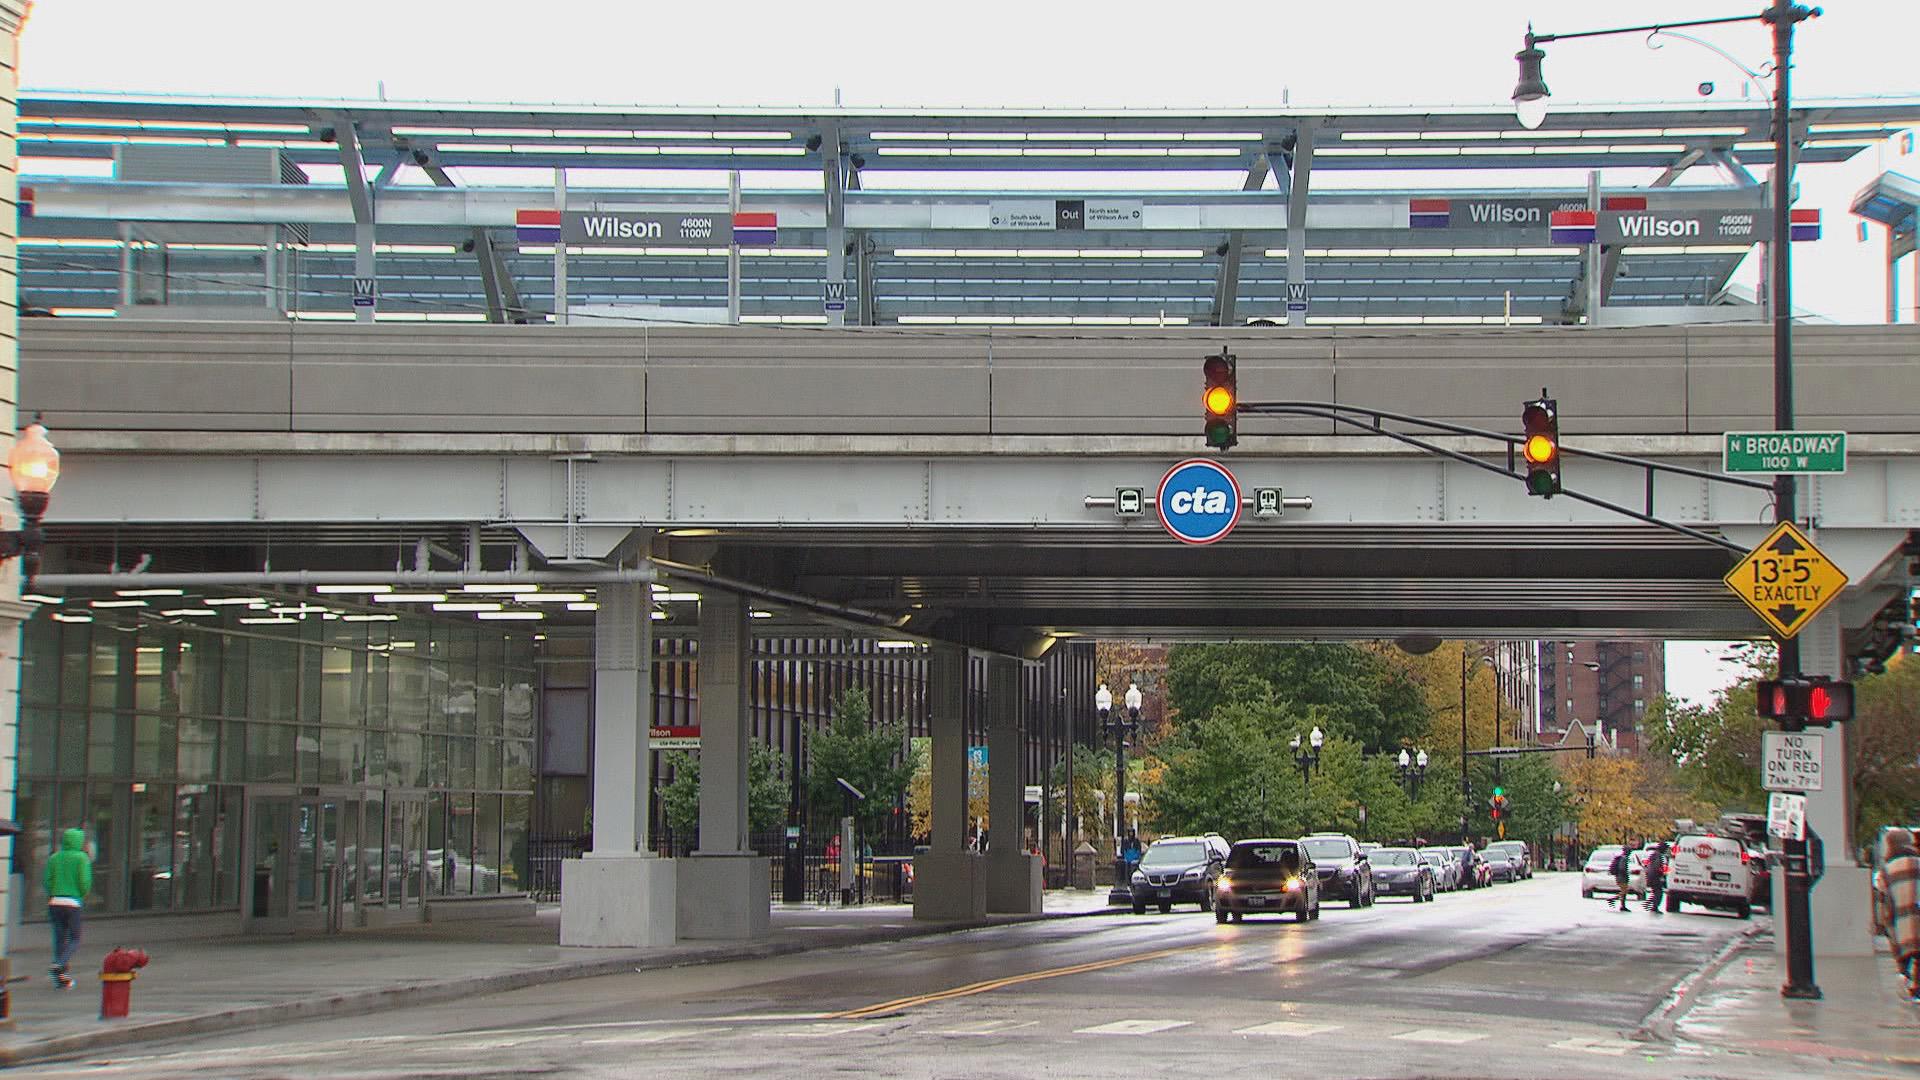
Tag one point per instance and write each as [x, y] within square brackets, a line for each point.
[725, 888]
[1840, 899]
[1013, 874]
[620, 894]
[948, 882]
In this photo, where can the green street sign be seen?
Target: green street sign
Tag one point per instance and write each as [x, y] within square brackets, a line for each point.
[1785, 452]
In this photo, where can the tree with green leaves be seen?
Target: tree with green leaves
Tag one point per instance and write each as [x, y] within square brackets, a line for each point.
[1350, 692]
[871, 756]
[766, 790]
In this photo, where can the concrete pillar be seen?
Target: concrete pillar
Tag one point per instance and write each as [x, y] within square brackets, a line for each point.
[1840, 901]
[620, 894]
[1014, 883]
[948, 883]
[727, 890]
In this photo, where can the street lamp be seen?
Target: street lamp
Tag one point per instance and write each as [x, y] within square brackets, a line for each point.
[1308, 758]
[34, 466]
[1120, 727]
[1412, 770]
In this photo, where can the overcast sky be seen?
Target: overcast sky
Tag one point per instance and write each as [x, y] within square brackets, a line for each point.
[996, 53]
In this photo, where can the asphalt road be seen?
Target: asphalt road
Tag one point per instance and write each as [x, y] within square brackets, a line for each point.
[1520, 980]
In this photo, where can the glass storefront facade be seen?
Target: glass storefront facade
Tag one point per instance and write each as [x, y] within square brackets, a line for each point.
[230, 756]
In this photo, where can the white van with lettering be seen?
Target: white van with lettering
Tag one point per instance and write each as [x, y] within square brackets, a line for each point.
[1710, 871]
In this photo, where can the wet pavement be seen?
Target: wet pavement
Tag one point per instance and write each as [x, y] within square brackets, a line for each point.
[1522, 980]
[1861, 1018]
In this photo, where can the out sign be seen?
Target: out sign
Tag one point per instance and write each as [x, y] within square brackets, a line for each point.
[1790, 760]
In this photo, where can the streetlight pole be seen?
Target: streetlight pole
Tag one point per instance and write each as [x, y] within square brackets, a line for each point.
[1530, 96]
[1466, 788]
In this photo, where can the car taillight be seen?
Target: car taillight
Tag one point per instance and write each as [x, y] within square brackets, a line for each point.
[1745, 858]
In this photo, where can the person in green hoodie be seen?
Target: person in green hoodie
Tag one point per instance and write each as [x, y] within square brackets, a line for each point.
[69, 880]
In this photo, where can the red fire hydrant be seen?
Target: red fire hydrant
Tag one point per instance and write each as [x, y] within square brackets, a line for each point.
[116, 981]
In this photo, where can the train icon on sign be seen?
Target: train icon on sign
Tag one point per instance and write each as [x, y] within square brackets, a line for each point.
[1198, 501]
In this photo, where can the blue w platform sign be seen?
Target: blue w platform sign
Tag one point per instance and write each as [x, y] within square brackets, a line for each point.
[1199, 501]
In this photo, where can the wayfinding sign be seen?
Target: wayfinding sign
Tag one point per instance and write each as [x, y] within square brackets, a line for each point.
[1199, 501]
[1790, 760]
[624, 227]
[1786, 580]
[1784, 452]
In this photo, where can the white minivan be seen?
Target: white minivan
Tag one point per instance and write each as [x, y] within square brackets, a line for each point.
[1711, 871]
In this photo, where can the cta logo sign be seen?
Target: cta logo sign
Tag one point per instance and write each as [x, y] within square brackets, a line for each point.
[1199, 501]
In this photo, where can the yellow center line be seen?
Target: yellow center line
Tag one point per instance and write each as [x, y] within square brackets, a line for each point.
[868, 1011]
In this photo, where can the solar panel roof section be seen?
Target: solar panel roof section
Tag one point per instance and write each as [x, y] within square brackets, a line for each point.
[1370, 254]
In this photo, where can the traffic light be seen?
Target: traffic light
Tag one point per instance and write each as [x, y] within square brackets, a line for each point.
[1221, 400]
[1817, 700]
[1540, 424]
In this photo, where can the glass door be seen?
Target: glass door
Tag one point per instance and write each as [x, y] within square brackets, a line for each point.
[406, 854]
[268, 902]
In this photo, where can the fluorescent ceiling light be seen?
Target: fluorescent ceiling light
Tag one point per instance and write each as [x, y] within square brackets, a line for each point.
[269, 620]
[151, 592]
[677, 596]
[550, 598]
[513, 615]
[466, 607]
[500, 588]
[61, 616]
[173, 612]
[223, 601]
[659, 616]
[118, 603]
[410, 598]
[300, 609]
[896, 644]
[41, 598]
[369, 618]
[583, 606]
[760, 614]
[352, 589]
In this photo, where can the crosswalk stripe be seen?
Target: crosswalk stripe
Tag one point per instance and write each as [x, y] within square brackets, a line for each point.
[987, 1027]
[1134, 1027]
[821, 1031]
[1590, 1045]
[1439, 1035]
[1288, 1027]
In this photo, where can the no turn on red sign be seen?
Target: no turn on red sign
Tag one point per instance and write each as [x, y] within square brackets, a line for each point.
[1790, 760]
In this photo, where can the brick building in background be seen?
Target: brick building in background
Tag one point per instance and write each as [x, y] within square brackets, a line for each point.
[1612, 683]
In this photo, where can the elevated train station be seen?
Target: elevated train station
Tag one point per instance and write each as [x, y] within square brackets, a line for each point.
[889, 422]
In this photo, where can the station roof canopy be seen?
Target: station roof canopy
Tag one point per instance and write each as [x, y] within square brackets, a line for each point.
[1217, 189]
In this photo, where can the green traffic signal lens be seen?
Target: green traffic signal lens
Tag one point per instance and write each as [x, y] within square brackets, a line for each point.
[1499, 791]
[1542, 482]
[1220, 435]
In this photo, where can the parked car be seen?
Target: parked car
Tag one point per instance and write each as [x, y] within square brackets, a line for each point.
[1515, 852]
[1446, 872]
[1345, 873]
[1597, 876]
[1710, 871]
[1179, 870]
[1474, 871]
[1401, 872]
[1265, 876]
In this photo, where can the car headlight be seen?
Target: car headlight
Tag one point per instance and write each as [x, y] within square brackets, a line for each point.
[1223, 885]
[1292, 885]
[1139, 878]
[1193, 875]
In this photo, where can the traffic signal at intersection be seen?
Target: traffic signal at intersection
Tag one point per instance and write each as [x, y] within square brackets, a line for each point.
[1540, 425]
[1817, 701]
[1221, 400]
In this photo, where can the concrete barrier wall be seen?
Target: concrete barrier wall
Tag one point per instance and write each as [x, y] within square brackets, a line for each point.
[249, 376]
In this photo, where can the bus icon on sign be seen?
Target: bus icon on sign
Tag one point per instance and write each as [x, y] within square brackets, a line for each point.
[1199, 501]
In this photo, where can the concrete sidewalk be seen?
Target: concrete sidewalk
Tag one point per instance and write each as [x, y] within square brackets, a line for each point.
[199, 987]
[1863, 1017]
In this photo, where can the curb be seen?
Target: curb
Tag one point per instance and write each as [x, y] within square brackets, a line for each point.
[1659, 1024]
[362, 1002]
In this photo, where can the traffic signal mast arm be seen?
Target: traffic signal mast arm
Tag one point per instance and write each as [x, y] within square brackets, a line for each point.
[1374, 421]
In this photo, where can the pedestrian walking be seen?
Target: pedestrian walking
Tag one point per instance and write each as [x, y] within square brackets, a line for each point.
[69, 879]
[1622, 868]
[1897, 905]
[1656, 871]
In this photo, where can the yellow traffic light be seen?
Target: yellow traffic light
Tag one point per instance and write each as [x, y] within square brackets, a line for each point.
[1540, 449]
[1219, 400]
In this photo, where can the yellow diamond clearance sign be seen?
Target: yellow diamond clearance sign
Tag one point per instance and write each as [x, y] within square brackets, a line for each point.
[1786, 580]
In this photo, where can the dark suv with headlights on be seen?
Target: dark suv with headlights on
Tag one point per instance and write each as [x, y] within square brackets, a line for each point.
[1179, 870]
[1343, 868]
[1399, 871]
[1268, 876]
